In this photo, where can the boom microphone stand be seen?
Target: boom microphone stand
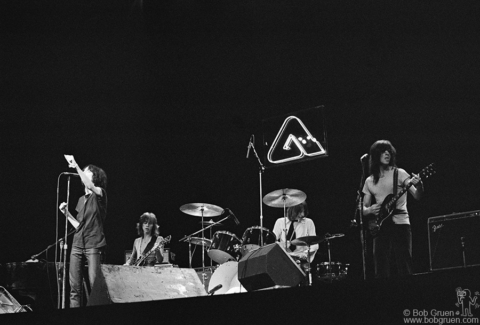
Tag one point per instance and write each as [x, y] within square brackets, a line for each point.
[261, 169]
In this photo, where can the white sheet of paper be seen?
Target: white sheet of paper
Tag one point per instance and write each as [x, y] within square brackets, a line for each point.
[69, 158]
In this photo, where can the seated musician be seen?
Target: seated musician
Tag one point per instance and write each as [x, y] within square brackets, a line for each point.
[297, 225]
[149, 234]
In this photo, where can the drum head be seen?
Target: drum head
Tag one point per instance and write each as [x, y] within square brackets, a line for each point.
[226, 275]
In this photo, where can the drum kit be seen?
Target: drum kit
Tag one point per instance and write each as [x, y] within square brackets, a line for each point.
[226, 249]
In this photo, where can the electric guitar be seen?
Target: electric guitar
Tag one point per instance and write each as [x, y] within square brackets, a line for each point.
[389, 203]
[158, 244]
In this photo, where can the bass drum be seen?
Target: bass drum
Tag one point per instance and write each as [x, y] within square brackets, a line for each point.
[226, 275]
[252, 238]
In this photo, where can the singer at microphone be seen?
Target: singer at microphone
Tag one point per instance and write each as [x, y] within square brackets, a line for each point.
[89, 241]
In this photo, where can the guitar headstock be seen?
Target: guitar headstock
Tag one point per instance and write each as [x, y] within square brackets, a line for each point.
[167, 239]
[428, 171]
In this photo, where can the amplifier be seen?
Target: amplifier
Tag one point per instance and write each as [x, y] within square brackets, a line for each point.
[454, 240]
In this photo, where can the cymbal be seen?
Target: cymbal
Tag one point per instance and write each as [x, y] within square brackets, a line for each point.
[307, 240]
[199, 241]
[210, 222]
[201, 209]
[328, 236]
[285, 197]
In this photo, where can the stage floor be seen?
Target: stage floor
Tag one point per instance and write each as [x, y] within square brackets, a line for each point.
[441, 295]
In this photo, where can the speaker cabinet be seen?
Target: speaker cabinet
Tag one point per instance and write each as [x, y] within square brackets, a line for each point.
[8, 304]
[267, 267]
[124, 284]
[454, 240]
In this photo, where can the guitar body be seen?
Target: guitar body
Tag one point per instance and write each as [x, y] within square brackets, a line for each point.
[159, 244]
[384, 217]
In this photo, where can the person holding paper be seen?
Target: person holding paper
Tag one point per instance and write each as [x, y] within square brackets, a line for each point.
[89, 239]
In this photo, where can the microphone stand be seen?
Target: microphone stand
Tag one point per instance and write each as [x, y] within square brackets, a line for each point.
[34, 257]
[65, 248]
[359, 210]
[261, 169]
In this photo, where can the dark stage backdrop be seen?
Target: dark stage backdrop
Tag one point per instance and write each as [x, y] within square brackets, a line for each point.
[165, 98]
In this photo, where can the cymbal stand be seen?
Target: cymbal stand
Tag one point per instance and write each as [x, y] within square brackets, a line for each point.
[329, 268]
[284, 199]
[187, 238]
[309, 270]
[203, 243]
[261, 169]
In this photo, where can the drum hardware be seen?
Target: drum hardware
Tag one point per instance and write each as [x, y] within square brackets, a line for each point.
[208, 223]
[308, 241]
[204, 242]
[286, 197]
[200, 210]
[328, 237]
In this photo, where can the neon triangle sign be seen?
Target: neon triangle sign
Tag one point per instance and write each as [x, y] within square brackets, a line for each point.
[300, 143]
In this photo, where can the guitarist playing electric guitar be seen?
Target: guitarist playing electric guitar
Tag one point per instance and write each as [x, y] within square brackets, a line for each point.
[149, 235]
[393, 240]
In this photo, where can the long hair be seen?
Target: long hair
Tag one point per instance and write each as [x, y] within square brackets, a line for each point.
[293, 212]
[150, 218]
[376, 151]
[99, 177]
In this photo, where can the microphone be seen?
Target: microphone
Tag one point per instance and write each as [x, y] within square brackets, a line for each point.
[230, 213]
[249, 145]
[364, 157]
[72, 174]
[216, 288]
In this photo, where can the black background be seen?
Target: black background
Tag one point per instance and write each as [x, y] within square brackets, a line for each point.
[164, 97]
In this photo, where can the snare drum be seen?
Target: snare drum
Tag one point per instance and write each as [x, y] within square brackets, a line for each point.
[328, 271]
[252, 238]
[225, 247]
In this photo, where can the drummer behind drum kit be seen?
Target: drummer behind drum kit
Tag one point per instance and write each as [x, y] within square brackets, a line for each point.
[226, 249]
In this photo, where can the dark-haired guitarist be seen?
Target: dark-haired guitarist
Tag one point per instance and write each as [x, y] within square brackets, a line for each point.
[394, 240]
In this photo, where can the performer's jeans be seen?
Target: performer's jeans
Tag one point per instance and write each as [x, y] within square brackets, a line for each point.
[77, 261]
[394, 242]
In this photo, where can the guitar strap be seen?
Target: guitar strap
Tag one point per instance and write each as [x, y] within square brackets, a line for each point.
[395, 188]
[395, 181]
[150, 245]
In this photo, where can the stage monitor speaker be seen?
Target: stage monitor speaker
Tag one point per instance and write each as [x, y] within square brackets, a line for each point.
[267, 267]
[454, 240]
[8, 304]
[124, 284]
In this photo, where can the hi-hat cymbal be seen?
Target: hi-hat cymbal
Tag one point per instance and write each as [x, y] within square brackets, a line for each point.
[328, 236]
[199, 241]
[285, 197]
[210, 222]
[307, 240]
[201, 209]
